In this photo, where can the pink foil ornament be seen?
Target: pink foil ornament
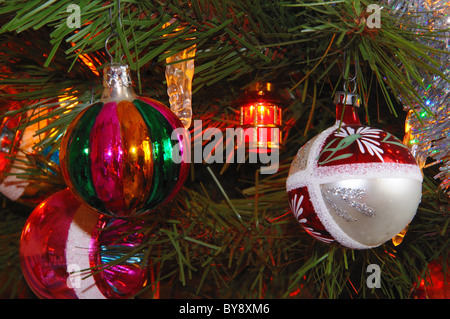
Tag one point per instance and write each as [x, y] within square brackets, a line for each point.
[63, 240]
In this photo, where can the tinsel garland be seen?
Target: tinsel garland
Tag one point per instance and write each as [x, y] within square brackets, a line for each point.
[428, 126]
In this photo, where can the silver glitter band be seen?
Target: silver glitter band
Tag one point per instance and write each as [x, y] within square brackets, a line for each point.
[347, 195]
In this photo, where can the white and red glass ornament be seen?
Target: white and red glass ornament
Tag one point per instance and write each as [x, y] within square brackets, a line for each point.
[261, 118]
[354, 185]
[69, 251]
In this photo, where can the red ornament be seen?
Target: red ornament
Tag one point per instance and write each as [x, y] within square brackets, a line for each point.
[436, 285]
[353, 184]
[261, 118]
[69, 251]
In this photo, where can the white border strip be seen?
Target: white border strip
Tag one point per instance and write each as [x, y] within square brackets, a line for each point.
[77, 254]
[328, 174]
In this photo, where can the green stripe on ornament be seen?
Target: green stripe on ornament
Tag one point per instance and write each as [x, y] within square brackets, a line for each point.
[79, 166]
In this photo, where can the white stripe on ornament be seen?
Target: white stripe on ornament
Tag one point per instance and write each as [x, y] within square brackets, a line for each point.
[77, 254]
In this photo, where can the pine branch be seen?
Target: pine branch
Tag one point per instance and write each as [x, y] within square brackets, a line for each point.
[198, 242]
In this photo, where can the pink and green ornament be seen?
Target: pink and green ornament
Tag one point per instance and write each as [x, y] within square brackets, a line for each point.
[117, 156]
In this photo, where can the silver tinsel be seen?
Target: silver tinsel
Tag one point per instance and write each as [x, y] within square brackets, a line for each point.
[428, 128]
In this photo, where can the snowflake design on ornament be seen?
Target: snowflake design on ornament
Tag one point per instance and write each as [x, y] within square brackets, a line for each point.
[297, 209]
[365, 137]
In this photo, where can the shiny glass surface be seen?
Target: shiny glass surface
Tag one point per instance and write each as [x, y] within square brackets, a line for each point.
[43, 246]
[117, 157]
[74, 157]
[137, 160]
[116, 239]
[63, 235]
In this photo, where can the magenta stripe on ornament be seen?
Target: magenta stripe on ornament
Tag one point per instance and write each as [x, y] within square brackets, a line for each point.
[106, 158]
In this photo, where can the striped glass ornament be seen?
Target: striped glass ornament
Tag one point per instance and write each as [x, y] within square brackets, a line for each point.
[68, 251]
[117, 154]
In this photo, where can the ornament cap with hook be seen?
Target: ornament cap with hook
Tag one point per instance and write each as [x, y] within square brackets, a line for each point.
[349, 80]
[113, 33]
[345, 96]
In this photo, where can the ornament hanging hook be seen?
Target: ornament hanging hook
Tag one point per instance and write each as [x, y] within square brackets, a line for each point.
[113, 31]
[348, 80]
[106, 48]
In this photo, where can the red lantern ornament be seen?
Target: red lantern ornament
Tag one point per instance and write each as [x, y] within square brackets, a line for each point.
[261, 118]
[353, 184]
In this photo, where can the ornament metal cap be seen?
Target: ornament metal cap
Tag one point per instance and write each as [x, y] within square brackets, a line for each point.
[347, 98]
[117, 83]
[260, 91]
[261, 87]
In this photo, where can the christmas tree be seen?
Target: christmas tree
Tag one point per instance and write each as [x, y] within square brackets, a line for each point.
[228, 231]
